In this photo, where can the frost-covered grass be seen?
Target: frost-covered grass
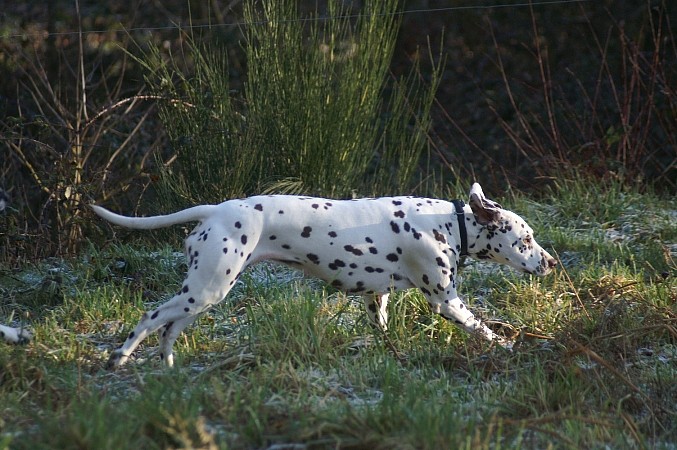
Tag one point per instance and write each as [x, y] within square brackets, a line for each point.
[286, 362]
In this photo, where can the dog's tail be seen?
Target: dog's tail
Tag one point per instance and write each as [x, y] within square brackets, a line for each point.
[194, 214]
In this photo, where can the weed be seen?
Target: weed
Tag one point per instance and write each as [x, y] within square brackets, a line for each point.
[319, 113]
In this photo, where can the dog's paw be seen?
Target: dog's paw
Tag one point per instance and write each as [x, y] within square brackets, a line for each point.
[116, 359]
[505, 343]
[24, 336]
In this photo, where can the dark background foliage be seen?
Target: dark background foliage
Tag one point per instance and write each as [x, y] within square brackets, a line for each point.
[529, 94]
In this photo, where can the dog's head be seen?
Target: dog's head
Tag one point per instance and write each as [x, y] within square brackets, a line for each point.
[505, 237]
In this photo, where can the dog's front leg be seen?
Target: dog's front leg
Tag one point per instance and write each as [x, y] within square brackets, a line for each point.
[454, 309]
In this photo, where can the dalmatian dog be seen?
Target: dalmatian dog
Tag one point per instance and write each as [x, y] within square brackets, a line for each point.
[370, 246]
[14, 335]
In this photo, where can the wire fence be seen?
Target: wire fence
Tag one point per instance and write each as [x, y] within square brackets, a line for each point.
[193, 26]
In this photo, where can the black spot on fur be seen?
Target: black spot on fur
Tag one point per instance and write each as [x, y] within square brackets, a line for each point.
[395, 227]
[399, 214]
[336, 264]
[306, 232]
[313, 258]
[332, 234]
[358, 288]
[258, 207]
[243, 239]
[392, 257]
[238, 225]
[272, 237]
[353, 250]
[483, 254]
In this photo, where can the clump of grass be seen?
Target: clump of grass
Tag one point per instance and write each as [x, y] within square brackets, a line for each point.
[299, 330]
[326, 113]
[319, 113]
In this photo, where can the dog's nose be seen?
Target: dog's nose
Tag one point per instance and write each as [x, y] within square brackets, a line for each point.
[552, 262]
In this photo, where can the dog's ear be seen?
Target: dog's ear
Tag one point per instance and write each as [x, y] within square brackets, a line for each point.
[485, 210]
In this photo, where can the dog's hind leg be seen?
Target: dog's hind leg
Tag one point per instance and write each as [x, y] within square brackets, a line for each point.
[212, 272]
[168, 336]
[174, 316]
[376, 306]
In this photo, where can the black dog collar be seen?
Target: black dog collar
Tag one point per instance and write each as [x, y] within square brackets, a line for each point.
[460, 215]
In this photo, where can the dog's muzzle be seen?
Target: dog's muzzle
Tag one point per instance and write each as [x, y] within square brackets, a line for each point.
[545, 266]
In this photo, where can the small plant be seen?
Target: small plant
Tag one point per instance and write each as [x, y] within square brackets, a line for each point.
[71, 127]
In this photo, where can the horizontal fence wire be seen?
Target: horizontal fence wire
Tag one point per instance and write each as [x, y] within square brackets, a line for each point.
[192, 26]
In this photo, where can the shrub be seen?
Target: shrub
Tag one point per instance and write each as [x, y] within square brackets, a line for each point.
[319, 113]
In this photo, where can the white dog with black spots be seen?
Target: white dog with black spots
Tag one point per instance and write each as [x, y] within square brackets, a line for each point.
[370, 246]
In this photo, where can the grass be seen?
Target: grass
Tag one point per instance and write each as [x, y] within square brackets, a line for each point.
[286, 361]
